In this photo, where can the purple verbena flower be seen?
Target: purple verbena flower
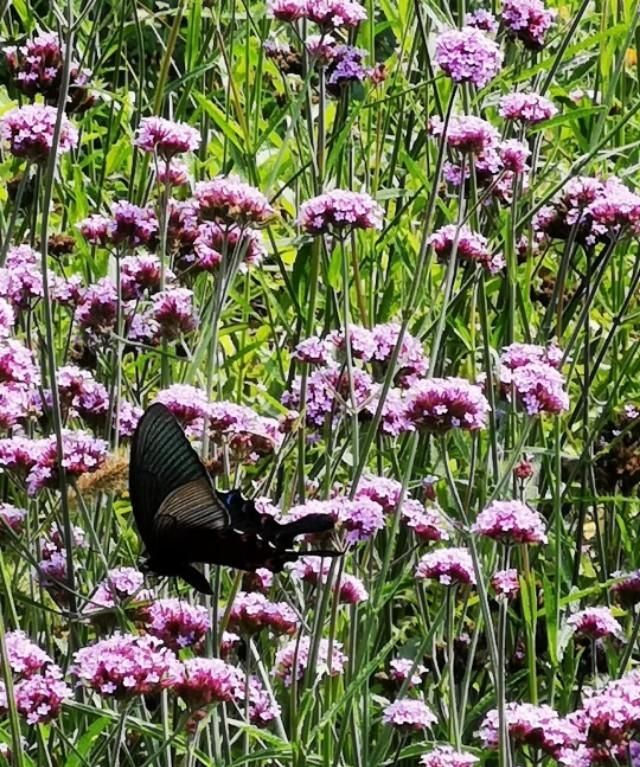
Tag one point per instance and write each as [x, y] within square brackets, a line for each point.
[528, 20]
[251, 612]
[448, 566]
[123, 666]
[426, 523]
[339, 209]
[447, 756]
[510, 522]
[470, 246]
[400, 668]
[595, 623]
[228, 200]
[292, 659]
[467, 55]
[29, 131]
[166, 137]
[174, 311]
[440, 404]
[506, 583]
[178, 624]
[82, 454]
[204, 681]
[467, 133]
[526, 108]
[409, 715]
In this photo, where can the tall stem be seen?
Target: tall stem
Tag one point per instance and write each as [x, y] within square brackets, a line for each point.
[47, 196]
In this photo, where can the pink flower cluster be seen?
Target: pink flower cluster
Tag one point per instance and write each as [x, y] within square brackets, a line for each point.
[315, 570]
[124, 665]
[446, 756]
[229, 201]
[526, 108]
[188, 403]
[506, 583]
[469, 246]
[441, 404]
[247, 435]
[595, 623]
[531, 372]
[468, 56]
[426, 523]
[29, 132]
[174, 312]
[216, 244]
[165, 137]
[37, 65]
[38, 688]
[527, 20]
[129, 225]
[96, 311]
[400, 668]
[409, 715]
[292, 660]
[21, 279]
[203, 681]
[120, 585]
[481, 19]
[11, 517]
[510, 522]
[360, 518]
[467, 134]
[628, 588]
[178, 624]
[594, 210]
[339, 210]
[82, 454]
[448, 566]
[535, 726]
[328, 14]
[252, 612]
[375, 346]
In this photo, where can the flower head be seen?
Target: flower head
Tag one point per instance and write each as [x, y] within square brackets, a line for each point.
[506, 583]
[341, 210]
[469, 246]
[204, 681]
[174, 311]
[11, 517]
[132, 225]
[29, 132]
[124, 665]
[252, 612]
[165, 137]
[528, 20]
[82, 454]
[448, 566]
[120, 585]
[526, 108]
[446, 756]
[426, 523]
[332, 14]
[510, 522]
[595, 623]
[24, 656]
[39, 698]
[400, 668]
[409, 714]
[228, 200]
[467, 55]
[178, 624]
[292, 660]
[97, 309]
[467, 134]
[440, 404]
[188, 403]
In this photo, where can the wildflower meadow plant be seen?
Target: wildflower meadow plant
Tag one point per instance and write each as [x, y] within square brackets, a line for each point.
[378, 262]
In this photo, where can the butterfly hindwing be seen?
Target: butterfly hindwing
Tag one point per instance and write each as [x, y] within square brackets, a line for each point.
[166, 475]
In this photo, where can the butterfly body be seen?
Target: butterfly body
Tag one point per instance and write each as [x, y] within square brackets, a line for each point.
[183, 521]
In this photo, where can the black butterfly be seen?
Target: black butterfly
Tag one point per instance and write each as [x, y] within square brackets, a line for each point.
[183, 521]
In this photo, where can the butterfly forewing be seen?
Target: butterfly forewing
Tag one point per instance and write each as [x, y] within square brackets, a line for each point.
[166, 476]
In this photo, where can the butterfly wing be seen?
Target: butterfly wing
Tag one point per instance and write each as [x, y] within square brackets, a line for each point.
[168, 485]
